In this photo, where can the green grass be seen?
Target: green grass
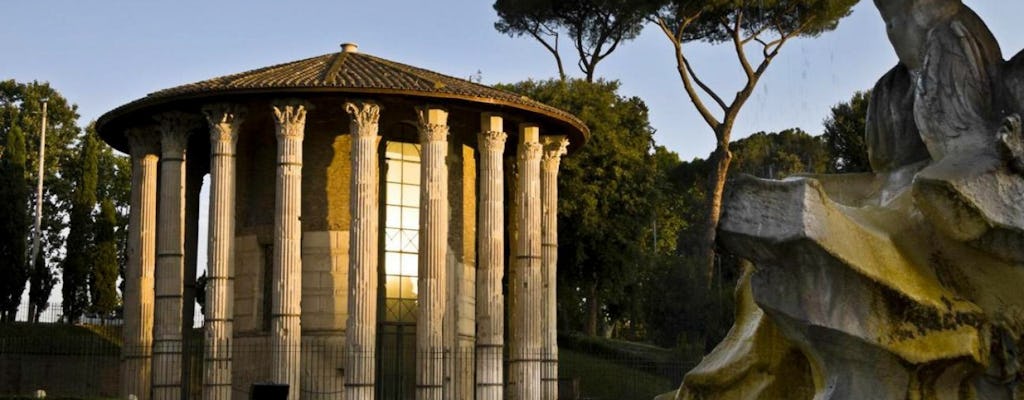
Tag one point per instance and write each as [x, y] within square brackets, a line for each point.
[612, 369]
[601, 378]
[58, 338]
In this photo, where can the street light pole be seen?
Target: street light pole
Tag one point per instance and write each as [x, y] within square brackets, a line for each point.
[39, 214]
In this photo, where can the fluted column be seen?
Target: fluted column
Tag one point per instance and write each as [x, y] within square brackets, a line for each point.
[174, 129]
[433, 128]
[525, 285]
[361, 328]
[224, 121]
[554, 148]
[286, 341]
[490, 304]
[136, 352]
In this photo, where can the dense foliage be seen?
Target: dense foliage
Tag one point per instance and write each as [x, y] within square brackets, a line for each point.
[80, 256]
[21, 107]
[844, 135]
[79, 173]
[14, 222]
[778, 155]
[103, 277]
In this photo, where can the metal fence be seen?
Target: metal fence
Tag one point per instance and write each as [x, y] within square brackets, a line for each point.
[54, 314]
[88, 367]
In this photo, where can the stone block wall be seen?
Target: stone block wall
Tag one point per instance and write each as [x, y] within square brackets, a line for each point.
[250, 262]
[324, 281]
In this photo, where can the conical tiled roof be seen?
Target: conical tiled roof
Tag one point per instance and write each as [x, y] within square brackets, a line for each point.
[353, 72]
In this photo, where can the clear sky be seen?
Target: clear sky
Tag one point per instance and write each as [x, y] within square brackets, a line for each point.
[102, 54]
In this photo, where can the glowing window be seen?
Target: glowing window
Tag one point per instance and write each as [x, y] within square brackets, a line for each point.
[401, 230]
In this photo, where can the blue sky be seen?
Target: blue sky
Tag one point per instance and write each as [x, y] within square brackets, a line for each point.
[101, 54]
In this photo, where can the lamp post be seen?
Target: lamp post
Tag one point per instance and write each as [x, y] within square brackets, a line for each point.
[37, 235]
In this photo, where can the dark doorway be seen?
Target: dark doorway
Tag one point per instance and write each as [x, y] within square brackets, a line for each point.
[396, 372]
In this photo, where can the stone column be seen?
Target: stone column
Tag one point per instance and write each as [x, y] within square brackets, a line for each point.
[525, 285]
[136, 352]
[224, 121]
[490, 303]
[286, 336]
[174, 129]
[433, 128]
[554, 148]
[361, 328]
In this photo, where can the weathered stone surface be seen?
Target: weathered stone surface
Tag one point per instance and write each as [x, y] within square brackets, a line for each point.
[286, 309]
[525, 280]
[890, 133]
[490, 303]
[361, 331]
[760, 361]
[553, 149]
[137, 350]
[905, 282]
[223, 121]
[434, 224]
[174, 128]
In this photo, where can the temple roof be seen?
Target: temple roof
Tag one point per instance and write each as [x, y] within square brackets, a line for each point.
[348, 71]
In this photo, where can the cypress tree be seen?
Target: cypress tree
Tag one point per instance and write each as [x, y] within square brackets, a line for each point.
[14, 224]
[103, 280]
[76, 267]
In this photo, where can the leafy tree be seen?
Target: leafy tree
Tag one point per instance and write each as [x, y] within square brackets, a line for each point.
[14, 224]
[80, 250]
[763, 26]
[605, 201]
[844, 135]
[777, 155]
[103, 279]
[685, 313]
[671, 202]
[21, 106]
[595, 27]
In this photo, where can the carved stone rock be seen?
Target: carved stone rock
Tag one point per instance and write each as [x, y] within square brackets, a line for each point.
[903, 283]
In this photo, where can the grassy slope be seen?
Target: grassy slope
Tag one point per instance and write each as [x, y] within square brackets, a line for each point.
[52, 338]
[619, 370]
[603, 379]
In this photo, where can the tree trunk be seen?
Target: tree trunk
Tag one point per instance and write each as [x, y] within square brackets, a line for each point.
[593, 304]
[716, 185]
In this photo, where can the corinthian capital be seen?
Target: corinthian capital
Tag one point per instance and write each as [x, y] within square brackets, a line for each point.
[530, 151]
[143, 141]
[365, 116]
[492, 141]
[224, 120]
[433, 124]
[290, 119]
[175, 128]
[554, 148]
